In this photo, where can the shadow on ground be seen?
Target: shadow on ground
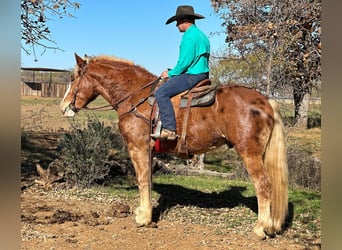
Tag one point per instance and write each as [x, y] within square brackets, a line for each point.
[174, 195]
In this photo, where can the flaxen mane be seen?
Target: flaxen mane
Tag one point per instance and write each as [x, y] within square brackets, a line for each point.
[113, 62]
[106, 58]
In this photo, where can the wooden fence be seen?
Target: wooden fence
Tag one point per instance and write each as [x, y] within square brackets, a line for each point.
[43, 89]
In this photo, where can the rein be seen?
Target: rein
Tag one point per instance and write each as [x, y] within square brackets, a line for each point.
[141, 101]
[133, 108]
[101, 108]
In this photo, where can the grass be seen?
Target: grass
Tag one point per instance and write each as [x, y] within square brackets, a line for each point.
[110, 115]
[205, 184]
[121, 187]
[32, 101]
[306, 207]
[125, 187]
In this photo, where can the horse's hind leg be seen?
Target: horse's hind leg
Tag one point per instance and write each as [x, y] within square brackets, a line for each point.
[262, 185]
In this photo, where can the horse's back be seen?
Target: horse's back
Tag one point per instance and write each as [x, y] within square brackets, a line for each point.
[242, 99]
[240, 115]
[242, 92]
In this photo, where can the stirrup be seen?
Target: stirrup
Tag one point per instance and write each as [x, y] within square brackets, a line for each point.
[165, 134]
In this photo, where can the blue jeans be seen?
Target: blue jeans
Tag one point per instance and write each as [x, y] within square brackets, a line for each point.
[170, 88]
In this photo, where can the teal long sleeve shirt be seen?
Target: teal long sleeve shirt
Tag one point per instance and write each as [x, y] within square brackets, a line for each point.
[194, 53]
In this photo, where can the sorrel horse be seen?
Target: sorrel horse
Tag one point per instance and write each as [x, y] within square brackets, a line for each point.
[240, 117]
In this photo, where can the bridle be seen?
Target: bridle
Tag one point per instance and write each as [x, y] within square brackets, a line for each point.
[73, 101]
[116, 105]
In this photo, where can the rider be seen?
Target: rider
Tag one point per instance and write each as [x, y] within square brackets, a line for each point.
[192, 67]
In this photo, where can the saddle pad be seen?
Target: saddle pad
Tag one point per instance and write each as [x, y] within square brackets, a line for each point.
[200, 101]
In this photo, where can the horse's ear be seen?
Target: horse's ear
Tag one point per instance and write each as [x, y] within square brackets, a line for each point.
[80, 62]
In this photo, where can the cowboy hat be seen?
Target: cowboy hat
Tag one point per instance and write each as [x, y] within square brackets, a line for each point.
[184, 11]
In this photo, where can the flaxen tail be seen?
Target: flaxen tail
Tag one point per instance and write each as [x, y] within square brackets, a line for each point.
[276, 164]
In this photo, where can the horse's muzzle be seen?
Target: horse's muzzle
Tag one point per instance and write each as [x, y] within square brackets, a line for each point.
[69, 110]
[73, 107]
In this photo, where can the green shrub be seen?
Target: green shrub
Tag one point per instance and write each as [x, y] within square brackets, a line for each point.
[84, 152]
[314, 120]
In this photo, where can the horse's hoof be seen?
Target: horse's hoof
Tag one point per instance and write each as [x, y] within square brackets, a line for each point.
[151, 225]
[259, 233]
[270, 232]
[141, 219]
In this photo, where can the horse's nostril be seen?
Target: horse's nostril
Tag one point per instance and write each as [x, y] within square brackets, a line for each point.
[73, 107]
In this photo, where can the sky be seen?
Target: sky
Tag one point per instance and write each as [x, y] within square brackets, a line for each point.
[133, 30]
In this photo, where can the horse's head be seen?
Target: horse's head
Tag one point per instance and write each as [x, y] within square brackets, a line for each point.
[80, 92]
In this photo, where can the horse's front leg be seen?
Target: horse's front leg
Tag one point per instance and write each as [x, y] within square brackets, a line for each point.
[140, 159]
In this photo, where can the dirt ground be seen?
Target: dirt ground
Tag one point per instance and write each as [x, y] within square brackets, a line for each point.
[70, 219]
[51, 220]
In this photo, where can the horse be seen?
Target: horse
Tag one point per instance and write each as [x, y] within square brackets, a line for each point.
[239, 117]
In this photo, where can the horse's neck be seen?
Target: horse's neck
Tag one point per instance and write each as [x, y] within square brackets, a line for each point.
[112, 93]
[116, 92]
[124, 84]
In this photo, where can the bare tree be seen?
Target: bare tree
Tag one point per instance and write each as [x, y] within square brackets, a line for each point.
[284, 37]
[34, 29]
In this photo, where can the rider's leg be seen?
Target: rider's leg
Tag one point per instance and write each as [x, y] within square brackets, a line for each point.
[170, 88]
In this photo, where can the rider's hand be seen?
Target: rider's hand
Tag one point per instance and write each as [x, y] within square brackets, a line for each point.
[164, 74]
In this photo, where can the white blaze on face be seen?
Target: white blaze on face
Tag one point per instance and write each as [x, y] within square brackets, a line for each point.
[66, 92]
[64, 105]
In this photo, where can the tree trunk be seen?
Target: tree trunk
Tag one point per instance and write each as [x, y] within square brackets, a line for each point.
[301, 111]
[269, 68]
